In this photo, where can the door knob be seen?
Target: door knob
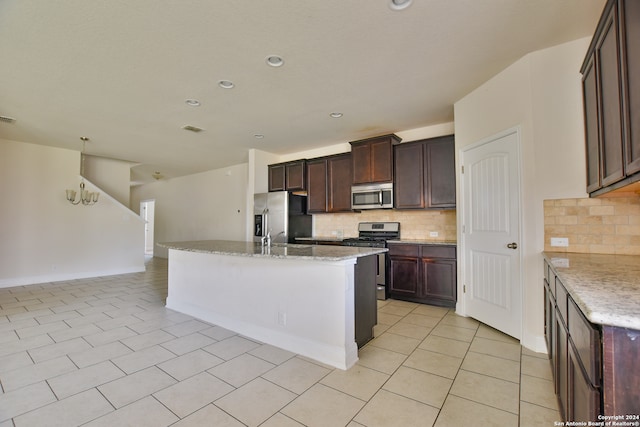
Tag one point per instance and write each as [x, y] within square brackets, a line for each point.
[513, 245]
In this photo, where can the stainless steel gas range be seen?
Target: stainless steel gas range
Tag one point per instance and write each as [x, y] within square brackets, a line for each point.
[376, 234]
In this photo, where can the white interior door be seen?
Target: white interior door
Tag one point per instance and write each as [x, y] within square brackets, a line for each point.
[491, 233]
[147, 212]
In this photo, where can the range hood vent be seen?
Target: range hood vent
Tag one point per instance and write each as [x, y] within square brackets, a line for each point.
[192, 128]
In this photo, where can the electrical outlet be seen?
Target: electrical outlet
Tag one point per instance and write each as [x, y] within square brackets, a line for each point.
[282, 318]
[433, 234]
[560, 262]
[560, 241]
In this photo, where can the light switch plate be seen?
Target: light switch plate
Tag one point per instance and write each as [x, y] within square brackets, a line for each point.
[560, 241]
[433, 234]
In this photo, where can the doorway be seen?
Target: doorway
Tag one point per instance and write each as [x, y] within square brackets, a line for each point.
[147, 212]
[491, 256]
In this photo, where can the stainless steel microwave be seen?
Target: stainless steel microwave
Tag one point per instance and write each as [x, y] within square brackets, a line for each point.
[374, 196]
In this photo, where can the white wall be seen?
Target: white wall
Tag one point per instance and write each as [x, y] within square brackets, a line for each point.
[43, 237]
[204, 206]
[113, 176]
[541, 94]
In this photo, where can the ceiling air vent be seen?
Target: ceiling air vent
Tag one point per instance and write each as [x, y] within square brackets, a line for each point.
[192, 128]
[6, 119]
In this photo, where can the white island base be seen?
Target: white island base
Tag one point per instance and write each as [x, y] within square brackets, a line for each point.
[302, 305]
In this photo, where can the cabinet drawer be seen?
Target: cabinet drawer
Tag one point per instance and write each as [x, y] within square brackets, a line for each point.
[404, 250]
[586, 340]
[561, 301]
[438, 252]
[547, 272]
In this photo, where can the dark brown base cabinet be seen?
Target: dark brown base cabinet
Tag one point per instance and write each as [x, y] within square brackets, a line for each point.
[423, 273]
[596, 369]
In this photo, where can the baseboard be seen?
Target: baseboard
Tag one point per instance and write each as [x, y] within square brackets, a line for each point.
[334, 356]
[34, 280]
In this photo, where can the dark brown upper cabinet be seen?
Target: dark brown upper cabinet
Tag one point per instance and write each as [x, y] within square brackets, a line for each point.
[372, 159]
[328, 184]
[425, 174]
[288, 176]
[611, 96]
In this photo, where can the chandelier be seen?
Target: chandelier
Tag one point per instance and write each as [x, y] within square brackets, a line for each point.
[87, 197]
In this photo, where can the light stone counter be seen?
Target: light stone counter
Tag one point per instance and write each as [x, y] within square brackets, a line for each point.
[605, 287]
[277, 250]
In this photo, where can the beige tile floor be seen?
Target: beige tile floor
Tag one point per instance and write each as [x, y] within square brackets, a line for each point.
[105, 352]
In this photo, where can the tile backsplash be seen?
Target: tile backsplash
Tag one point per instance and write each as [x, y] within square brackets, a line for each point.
[413, 224]
[598, 225]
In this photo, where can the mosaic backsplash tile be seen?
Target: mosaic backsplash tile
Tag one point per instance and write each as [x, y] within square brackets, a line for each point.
[413, 224]
[598, 225]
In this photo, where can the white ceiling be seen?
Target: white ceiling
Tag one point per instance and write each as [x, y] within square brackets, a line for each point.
[119, 71]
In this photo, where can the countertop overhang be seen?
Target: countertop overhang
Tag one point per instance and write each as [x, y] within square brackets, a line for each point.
[605, 287]
[277, 250]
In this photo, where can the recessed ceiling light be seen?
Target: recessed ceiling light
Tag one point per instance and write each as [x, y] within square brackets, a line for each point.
[258, 136]
[399, 4]
[274, 60]
[192, 102]
[336, 115]
[226, 84]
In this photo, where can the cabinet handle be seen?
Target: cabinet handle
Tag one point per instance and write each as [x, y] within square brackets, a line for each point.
[513, 245]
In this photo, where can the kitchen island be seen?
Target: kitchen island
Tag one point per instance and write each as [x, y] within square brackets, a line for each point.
[313, 300]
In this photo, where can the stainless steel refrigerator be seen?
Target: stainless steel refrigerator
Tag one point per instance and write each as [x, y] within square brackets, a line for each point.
[281, 213]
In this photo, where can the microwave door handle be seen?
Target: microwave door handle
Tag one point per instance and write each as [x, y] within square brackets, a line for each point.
[380, 197]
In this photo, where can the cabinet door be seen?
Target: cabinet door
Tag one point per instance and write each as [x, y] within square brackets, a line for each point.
[439, 176]
[561, 356]
[590, 105]
[586, 342]
[583, 400]
[439, 281]
[295, 176]
[372, 159]
[408, 188]
[317, 186]
[361, 162]
[382, 161]
[607, 62]
[404, 276]
[339, 176]
[630, 13]
[548, 318]
[277, 177]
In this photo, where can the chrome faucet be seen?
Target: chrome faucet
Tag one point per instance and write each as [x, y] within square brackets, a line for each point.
[266, 240]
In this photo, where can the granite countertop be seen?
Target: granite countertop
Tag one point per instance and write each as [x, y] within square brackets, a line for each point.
[277, 250]
[424, 242]
[605, 287]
